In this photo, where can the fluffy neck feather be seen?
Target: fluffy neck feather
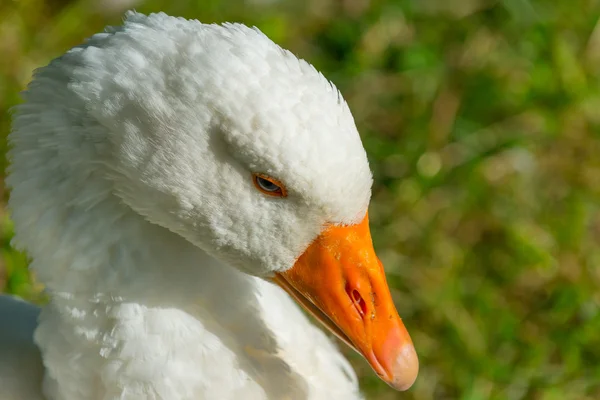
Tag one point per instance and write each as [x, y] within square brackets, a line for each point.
[166, 320]
[141, 313]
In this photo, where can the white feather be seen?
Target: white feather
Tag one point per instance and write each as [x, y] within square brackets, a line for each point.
[131, 192]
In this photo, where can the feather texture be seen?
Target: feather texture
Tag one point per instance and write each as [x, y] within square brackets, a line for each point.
[131, 164]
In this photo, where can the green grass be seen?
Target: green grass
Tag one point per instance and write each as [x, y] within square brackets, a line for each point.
[482, 123]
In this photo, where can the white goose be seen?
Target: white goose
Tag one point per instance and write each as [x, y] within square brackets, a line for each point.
[163, 174]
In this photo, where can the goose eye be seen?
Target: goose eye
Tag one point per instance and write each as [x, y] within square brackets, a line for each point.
[268, 185]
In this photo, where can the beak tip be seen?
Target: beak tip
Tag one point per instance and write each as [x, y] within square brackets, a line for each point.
[405, 369]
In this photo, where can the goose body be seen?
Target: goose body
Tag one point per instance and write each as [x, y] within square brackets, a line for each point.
[164, 175]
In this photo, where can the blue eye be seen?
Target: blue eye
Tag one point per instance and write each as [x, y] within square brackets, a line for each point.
[268, 185]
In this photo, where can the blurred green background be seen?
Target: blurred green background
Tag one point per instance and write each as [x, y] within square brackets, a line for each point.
[481, 119]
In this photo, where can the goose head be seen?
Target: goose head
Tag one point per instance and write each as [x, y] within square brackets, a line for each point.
[219, 135]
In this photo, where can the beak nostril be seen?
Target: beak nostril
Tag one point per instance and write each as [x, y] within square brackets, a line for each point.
[357, 300]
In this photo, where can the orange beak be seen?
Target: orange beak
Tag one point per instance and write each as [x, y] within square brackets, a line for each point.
[341, 282]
